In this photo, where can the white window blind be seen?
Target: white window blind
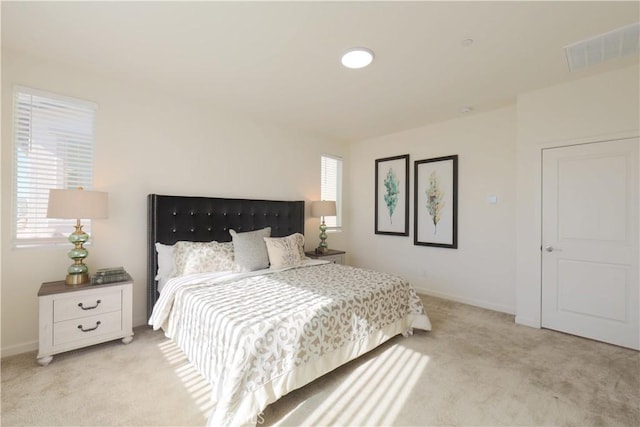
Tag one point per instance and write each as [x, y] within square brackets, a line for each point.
[331, 187]
[53, 148]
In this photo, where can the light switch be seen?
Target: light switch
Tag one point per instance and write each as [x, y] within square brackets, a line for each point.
[492, 200]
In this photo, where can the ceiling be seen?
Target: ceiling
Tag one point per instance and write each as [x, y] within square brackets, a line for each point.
[280, 61]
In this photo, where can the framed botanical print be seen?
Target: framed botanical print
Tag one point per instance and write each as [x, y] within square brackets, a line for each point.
[436, 202]
[392, 196]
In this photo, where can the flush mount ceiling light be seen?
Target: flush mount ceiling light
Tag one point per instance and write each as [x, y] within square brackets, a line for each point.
[357, 57]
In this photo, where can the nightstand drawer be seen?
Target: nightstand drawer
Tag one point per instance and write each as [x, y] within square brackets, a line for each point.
[87, 327]
[80, 305]
[332, 255]
[336, 259]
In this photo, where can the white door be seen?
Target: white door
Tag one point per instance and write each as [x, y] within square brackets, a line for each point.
[590, 241]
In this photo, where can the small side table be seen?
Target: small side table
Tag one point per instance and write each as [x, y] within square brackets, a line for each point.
[73, 317]
[332, 255]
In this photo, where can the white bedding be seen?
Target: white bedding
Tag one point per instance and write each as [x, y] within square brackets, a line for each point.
[257, 336]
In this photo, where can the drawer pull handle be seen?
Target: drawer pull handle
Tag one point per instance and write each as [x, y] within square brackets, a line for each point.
[89, 308]
[90, 329]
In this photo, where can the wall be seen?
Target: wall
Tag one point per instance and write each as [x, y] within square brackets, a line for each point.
[164, 144]
[598, 108]
[482, 270]
[147, 142]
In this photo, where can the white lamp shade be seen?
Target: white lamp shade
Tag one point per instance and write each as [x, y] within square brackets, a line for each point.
[323, 208]
[77, 204]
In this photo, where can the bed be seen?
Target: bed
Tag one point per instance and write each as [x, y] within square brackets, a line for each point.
[258, 333]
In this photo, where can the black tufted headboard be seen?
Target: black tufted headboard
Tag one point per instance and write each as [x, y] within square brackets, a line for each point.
[203, 219]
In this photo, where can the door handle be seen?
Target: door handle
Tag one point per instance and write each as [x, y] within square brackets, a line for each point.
[550, 248]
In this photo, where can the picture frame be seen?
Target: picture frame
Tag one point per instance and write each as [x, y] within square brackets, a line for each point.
[436, 202]
[392, 196]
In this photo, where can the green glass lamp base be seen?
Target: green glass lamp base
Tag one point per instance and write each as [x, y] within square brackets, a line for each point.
[78, 272]
[323, 247]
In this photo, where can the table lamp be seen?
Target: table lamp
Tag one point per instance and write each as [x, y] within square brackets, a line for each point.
[77, 204]
[321, 209]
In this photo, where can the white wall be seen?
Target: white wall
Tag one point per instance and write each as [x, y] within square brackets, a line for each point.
[598, 108]
[150, 142]
[482, 270]
[147, 142]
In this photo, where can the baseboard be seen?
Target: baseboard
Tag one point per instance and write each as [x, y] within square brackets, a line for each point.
[527, 322]
[140, 321]
[12, 350]
[469, 301]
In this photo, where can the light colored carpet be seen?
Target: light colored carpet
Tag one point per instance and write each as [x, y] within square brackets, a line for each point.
[475, 368]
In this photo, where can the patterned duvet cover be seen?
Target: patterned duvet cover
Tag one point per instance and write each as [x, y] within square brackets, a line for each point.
[258, 336]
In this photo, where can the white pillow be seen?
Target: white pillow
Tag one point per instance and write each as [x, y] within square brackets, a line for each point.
[166, 266]
[250, 250]
[202, 257]
[285, 251]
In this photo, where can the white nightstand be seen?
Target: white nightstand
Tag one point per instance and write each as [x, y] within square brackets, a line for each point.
[73, 317]
[331, 256]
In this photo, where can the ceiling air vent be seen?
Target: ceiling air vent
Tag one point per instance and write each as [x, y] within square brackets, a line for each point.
[604, 47]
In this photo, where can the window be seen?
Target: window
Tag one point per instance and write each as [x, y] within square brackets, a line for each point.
[331, 188]
[53, 148]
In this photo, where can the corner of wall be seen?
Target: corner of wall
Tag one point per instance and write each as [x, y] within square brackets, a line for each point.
[601, 107]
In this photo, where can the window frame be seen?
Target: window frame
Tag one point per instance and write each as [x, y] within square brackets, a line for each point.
[333, 225]
[63, 140]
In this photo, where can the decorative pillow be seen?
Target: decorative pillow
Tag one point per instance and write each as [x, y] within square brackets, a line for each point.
[285, 251]
[202, 257]
[300, 238]
[166, 266]
[250, 249]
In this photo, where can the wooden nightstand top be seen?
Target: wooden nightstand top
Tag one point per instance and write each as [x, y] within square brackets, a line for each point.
[313, 254]
[59, 287]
